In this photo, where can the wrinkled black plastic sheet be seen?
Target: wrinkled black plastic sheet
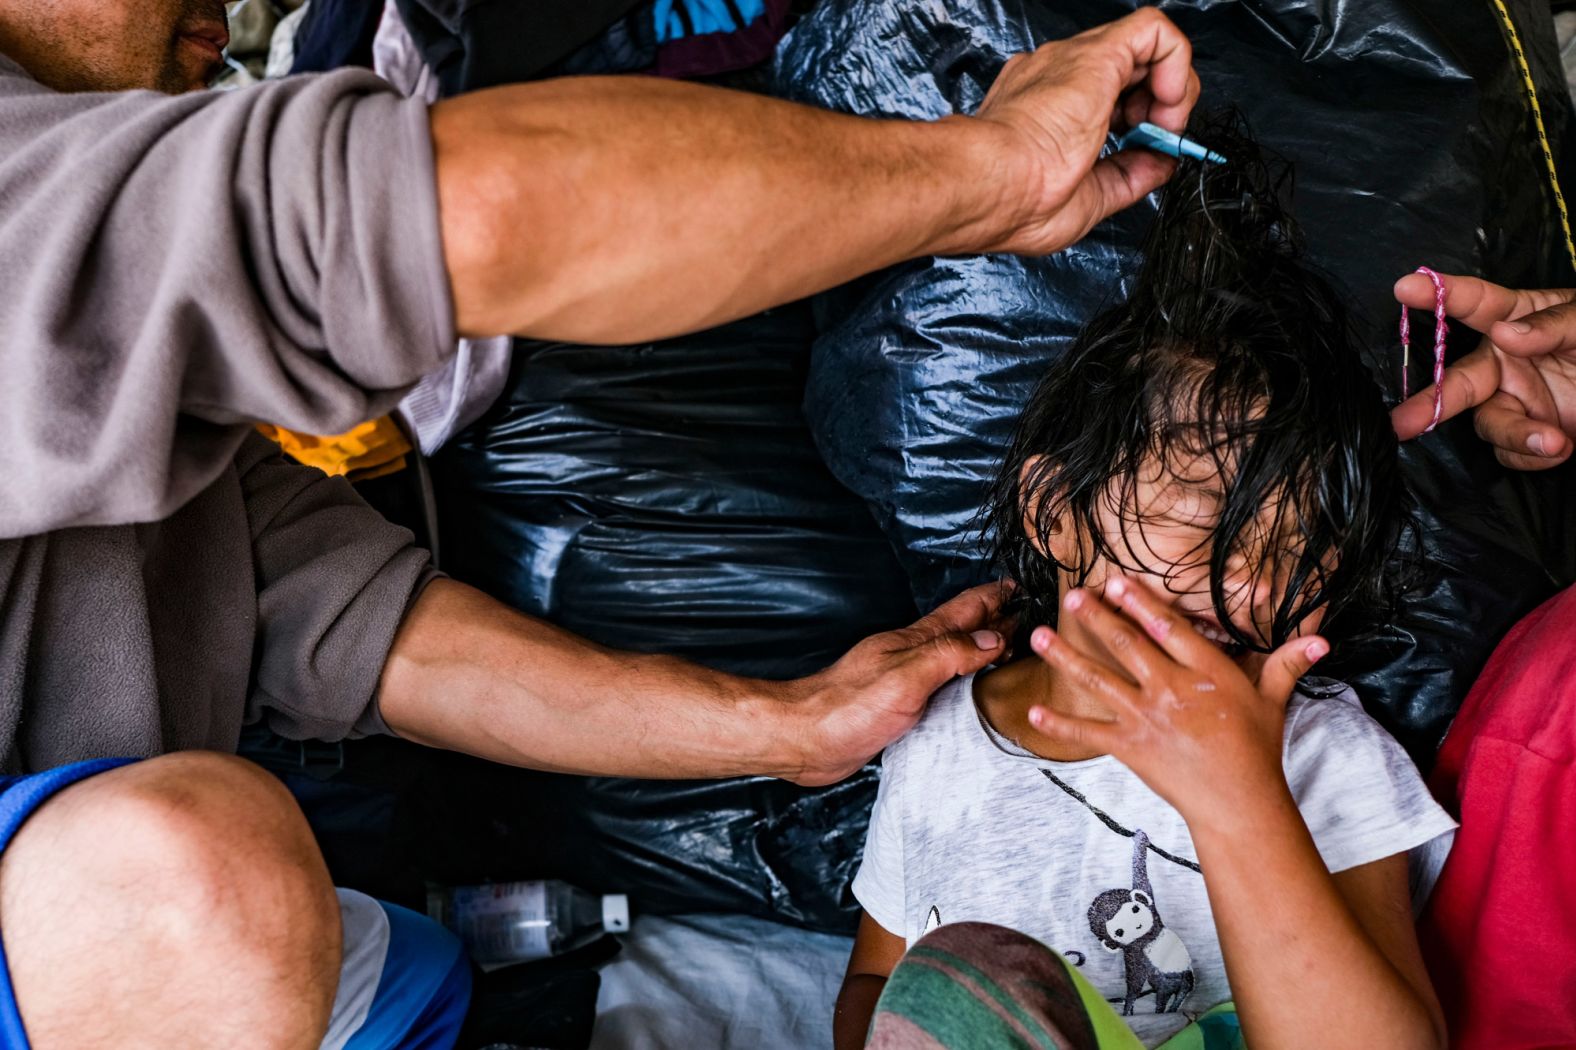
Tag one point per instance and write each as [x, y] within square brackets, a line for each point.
[1413, 144]
[670, 497]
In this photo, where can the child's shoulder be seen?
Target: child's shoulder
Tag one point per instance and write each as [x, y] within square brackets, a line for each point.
[1359, 792]
[953, 698]
[1334, 746]
[1323, 708]
[950, 718]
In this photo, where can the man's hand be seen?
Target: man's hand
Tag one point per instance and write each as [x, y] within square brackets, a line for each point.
[1185, 718]
[1521, 380]
[469, 674]
[876, 693]
[1056, 106]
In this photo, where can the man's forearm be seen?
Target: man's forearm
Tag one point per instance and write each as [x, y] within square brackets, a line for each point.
[468, 674]
[621, 209]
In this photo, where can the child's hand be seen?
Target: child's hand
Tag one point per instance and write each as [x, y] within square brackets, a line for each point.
[1186, 718]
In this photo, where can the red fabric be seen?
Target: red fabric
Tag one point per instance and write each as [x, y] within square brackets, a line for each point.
[1500, 930]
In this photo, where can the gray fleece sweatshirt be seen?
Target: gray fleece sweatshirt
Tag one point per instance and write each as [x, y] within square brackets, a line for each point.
[171, 269]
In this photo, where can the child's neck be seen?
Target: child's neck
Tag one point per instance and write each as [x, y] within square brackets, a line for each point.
[1005, 694]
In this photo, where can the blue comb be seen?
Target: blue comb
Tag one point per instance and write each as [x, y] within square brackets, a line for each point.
[1148, 136]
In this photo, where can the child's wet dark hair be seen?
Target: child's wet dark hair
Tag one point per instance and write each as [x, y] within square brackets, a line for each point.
[1234, 349]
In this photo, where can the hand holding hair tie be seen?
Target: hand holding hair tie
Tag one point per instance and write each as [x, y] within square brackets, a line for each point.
[1186, 718]
[1521, 379]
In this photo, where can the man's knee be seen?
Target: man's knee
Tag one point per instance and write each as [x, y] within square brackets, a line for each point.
[193, 875]
[193, 834]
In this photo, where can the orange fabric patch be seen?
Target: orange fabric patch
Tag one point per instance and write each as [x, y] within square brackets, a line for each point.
[368, 450]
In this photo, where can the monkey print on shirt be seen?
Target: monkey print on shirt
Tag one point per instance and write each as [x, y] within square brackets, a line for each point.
[1155, 961]
[1127, 921]
[1154, 957]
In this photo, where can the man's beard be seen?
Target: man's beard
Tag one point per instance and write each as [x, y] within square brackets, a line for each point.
[174, 76]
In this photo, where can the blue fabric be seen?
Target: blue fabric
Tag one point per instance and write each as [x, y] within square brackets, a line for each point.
[425, 990]
[20, 798]
[336, 33]
[676, 19]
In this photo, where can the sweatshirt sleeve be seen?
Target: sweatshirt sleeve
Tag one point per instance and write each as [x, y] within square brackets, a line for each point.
[176, 268]
[334, 581]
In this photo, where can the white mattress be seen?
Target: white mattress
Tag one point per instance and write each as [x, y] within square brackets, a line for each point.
[720, 982]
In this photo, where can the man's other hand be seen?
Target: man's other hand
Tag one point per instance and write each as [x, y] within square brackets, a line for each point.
[626, 209]
[1521, 380]
[1055, 107]
[876, 693]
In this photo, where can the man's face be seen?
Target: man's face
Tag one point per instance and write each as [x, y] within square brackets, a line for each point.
[115, 45]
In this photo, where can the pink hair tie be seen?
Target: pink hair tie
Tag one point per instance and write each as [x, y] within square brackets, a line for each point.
[1440, 330]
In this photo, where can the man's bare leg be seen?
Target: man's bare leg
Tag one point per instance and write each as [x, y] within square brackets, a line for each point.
[179, 901]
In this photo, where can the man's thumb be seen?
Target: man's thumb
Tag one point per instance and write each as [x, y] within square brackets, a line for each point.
[956, 653]
[1289, 663]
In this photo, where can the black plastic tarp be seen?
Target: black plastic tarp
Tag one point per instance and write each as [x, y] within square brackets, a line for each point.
[669, 497]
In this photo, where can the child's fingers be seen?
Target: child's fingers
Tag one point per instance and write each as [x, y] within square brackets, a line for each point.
[1289, 663]
[1094, 677]
[1172, 632]
[1084, 733]
[1117, 633]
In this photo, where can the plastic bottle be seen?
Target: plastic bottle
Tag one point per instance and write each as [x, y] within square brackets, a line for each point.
[510, 922]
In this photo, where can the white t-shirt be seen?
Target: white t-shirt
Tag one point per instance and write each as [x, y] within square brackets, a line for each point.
[1083, 856]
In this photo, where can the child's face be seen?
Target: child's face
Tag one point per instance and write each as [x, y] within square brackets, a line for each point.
[1161, 529]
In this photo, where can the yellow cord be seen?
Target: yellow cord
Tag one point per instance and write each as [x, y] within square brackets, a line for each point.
[1537, 120]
